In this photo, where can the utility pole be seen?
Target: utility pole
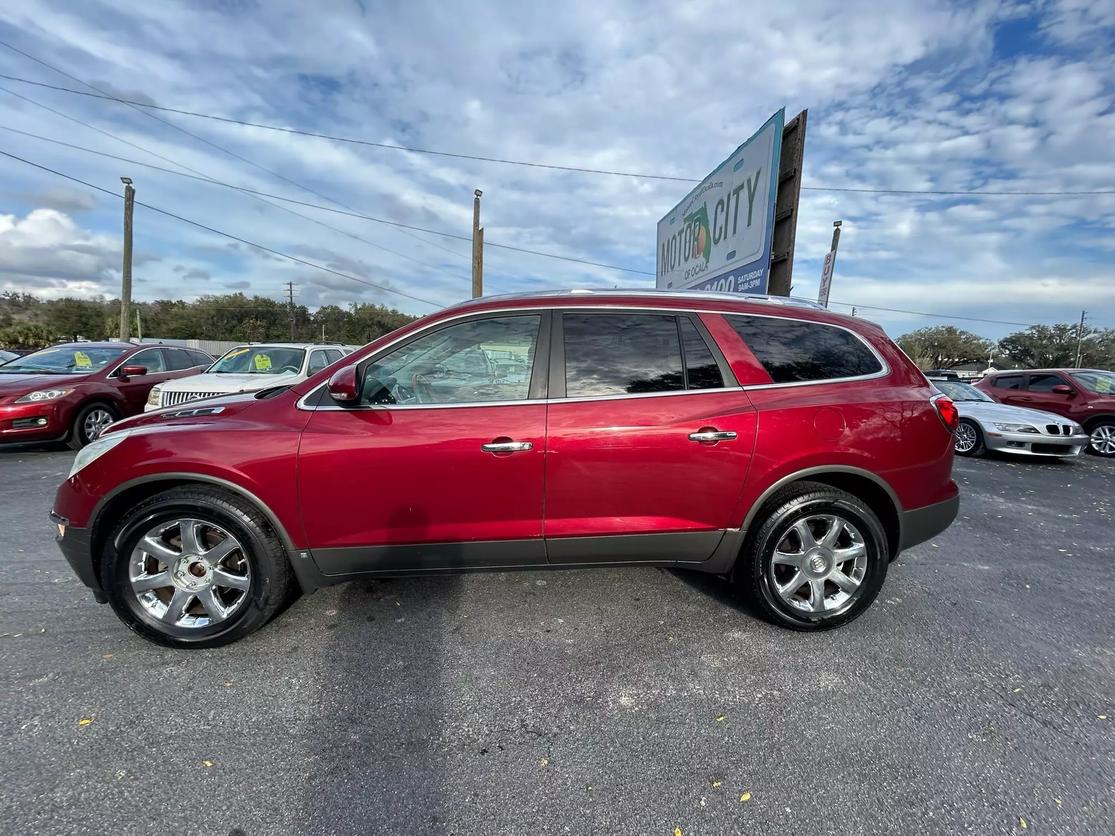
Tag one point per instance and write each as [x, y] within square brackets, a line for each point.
[1080, 338]
[477, 248]
[290, 305]
[829, 266]
[139, 327]
[126, 282]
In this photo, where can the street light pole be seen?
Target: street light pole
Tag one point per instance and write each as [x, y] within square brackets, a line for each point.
[126, 279]
[1080, 338]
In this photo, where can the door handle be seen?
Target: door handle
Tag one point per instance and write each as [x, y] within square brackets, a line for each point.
[711, 436]
[507, 446]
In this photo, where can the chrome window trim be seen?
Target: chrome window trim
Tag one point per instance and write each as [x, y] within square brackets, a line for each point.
[604, 306]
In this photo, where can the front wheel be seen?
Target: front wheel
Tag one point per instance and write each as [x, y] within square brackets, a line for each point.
[90, 422]
[1101, 441]
[968, 440]
[816, 560]
[195, 567]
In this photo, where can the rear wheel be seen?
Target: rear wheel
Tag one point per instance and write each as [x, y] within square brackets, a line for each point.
[195, 567]
[968, 439]
[816, 560]
[1101, 440]
[89, 423]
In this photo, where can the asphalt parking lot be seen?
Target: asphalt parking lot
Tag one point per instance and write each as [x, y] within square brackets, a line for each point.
[976, 696]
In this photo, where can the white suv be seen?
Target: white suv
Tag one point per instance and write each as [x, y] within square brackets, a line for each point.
[248, 368]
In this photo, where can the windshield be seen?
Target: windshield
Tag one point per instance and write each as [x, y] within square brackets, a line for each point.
[961, 391]
[64, 360]
[1102, 383]
[260, 359]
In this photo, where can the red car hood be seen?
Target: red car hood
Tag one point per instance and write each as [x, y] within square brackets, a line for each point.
[15, 385]
[204, 411]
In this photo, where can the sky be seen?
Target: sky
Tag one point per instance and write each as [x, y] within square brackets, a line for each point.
[984, 96]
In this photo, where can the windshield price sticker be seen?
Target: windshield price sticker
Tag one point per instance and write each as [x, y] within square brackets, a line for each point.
[82, 361]
[262, 363]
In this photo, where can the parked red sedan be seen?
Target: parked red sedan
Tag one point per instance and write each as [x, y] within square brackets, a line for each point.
[74, 391]
[792, 449]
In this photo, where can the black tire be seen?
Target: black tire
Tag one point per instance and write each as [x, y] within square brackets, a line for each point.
[272, 583]
[754, 574]
[1094, 445]
[79, 435]
[979, 447]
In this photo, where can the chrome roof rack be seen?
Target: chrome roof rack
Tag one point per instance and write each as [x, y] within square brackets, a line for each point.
[650, 291]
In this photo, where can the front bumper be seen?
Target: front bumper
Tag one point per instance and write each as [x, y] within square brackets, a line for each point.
[1035, 444]
[31, 422]
[77, 547]
[921, 524]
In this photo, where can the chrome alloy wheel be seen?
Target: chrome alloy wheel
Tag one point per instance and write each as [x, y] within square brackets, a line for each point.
[95, 422]
[818, 564]
[1103, 439]
[189, 573]
[965, 439]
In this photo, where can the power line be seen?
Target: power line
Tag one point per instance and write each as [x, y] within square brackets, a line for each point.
[138, 108]
[937, 316]
[228, 235]
[351, 214]
[478, 158]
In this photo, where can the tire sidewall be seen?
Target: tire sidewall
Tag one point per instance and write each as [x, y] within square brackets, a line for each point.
[117, 557]
[776, 527]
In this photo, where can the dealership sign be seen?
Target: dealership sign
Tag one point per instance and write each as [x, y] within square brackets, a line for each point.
[719, 237]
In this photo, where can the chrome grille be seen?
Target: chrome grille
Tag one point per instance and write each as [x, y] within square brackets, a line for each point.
[175, 398]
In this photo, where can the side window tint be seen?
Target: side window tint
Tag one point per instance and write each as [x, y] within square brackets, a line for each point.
[474, 362]
[701, 370]
[615, 354]
[177, 360]
[152, 359]
[793, 351]
[332, 355]
[200, 359]
[1044, 382]
[1013, 381]
[318, 361]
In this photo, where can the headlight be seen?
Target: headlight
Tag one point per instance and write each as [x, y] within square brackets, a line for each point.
[156, 394]
[44, 395]
[1016, 428]
[94, 450]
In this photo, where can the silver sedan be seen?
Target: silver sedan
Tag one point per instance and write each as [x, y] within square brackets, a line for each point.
[987, 425]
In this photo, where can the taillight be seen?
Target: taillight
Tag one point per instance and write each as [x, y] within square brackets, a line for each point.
[947, 412]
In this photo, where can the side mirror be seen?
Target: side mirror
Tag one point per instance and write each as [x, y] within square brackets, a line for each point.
[132, 371]
[344, 386]
[1063, 389]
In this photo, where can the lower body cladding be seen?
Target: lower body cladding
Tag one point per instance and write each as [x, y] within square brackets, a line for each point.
[1036, 444]
[713, 552]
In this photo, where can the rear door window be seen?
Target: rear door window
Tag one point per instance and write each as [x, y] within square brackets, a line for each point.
[1044, 382]
[621, 354]
[701, 369]
[177, 359]
[1010, 381]
[794, 351]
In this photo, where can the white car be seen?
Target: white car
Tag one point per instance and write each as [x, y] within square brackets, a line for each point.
[248, 368]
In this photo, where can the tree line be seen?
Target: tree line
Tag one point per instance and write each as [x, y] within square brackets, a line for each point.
[28, 322]
[1036, 347]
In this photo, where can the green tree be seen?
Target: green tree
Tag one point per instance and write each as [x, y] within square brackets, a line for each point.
[73, 318]
[25, 336]
[1054, 346]
[944, 346]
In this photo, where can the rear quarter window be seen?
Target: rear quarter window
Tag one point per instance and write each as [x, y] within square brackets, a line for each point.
[794, 351]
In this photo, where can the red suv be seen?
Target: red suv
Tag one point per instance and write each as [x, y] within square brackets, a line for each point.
[1087, 396]
[794, 450]
[73, 391]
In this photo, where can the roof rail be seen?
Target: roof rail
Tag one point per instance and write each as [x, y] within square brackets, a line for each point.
[650, 291]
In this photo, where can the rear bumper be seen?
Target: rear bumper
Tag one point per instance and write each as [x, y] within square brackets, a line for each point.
[922, 524]
[77, 547]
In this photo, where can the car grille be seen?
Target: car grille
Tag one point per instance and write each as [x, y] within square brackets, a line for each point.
[1058, 429]
[175, 398]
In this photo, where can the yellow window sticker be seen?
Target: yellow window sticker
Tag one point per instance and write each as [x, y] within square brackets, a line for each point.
[263, 363]
[1103, 384]
[82, 361]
